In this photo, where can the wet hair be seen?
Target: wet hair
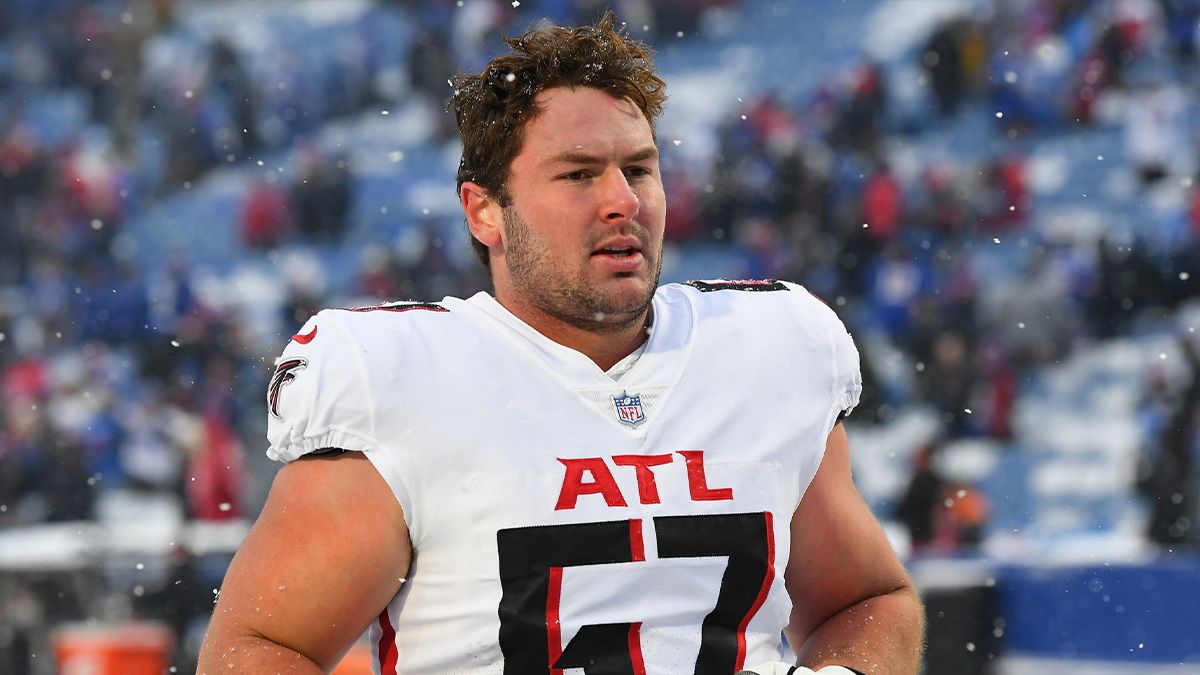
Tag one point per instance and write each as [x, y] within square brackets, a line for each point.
[492, 108]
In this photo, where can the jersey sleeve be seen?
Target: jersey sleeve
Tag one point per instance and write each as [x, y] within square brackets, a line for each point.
[318, 397]
[844, 358]
[848, 373]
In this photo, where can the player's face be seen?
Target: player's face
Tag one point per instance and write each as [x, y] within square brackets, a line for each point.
[582, 238]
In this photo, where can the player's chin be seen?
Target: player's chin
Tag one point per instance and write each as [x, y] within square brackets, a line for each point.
[646, 273]
[634, 284]
[631, 300]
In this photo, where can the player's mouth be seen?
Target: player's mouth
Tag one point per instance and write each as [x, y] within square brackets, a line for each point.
[619, 246]
[617, 251]
[620, 256]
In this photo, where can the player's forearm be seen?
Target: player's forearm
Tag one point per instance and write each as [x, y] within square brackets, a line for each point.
[883, 634]
[250, 654]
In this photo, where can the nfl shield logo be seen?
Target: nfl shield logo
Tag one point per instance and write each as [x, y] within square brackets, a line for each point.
[629, 409]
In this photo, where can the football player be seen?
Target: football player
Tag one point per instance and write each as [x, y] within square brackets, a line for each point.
[583, 472]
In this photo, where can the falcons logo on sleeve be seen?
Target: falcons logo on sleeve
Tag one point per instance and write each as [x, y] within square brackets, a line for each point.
[284, 372]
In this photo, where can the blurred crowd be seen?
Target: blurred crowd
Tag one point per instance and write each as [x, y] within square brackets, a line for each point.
[1051, 69]
[116, 373]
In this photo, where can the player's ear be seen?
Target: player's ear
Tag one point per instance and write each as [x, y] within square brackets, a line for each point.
[484, 214]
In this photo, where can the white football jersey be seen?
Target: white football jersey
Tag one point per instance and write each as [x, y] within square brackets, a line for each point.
[565, 521]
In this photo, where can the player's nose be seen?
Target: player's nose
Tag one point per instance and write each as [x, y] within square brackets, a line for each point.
[618, 200]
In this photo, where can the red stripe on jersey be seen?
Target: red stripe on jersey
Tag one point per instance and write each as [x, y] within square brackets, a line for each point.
[637, 549]
[635, 648]
[387, 645]
[762, 593]
[553, 627]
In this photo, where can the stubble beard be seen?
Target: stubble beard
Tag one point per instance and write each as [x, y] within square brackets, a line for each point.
[571, 298]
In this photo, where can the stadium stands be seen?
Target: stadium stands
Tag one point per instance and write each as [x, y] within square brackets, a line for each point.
[998, 198]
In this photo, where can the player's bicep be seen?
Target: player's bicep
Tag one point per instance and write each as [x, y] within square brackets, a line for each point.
[324, 558]
[839, 553]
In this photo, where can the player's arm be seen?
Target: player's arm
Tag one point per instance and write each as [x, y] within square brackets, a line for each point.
[853, 603]
[327, 554]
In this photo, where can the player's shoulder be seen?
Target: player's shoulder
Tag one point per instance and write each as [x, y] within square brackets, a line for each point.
[375, 320]
[386, 311]
[342, 350]
[337, 333]
[749, 296]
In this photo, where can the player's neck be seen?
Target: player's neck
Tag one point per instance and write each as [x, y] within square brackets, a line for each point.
[607, 349]
[604, 344]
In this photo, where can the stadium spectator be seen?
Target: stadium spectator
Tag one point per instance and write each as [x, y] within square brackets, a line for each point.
[882, 208]
[215, 472]
[1170, 479]
[320, 193]
[943, 60]
[961, 518]
[268, 215]
[229, 79]
[862, 116]
[948, 382]
[921, 498]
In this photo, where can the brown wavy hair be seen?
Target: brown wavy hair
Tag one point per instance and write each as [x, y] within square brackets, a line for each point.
[493, 107]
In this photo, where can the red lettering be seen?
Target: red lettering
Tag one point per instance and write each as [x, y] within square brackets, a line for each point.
[636, 546]
[647, 487]
[602, 482]
[697, 483]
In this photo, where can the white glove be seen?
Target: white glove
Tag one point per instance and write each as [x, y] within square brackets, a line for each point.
[781, 668]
